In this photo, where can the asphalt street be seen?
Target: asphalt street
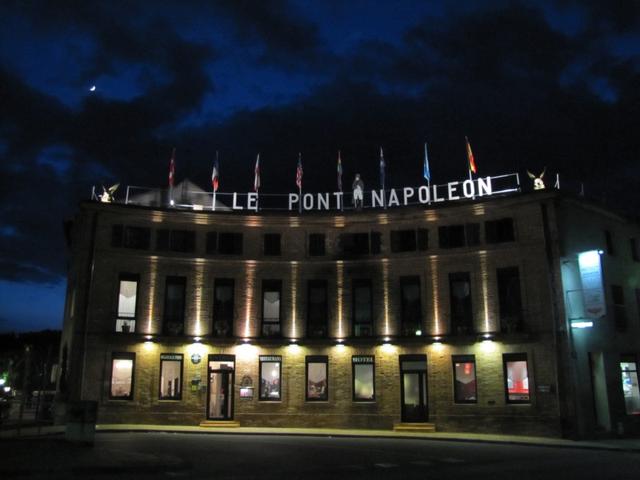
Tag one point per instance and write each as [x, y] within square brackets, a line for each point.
[218, 456]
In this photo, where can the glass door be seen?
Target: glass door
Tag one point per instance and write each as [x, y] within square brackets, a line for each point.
[413, 373]
[220, 391]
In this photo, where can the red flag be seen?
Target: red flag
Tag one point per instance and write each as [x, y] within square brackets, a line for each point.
[472, 162]
[215, 175]
[299, 171]
[172, 167]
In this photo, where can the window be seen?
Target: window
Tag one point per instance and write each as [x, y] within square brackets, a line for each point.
[403, 241]
[619, 310]
[362, 308]
[464, 379]
[629, 372]
[456, 236]
[175, 240]
[211, 245]
[127, 303]
[509, 300]
[411, 305]
[170, 376]
[223, 303]
[472, 232]
[174, 302]
[271, 311]
[230, 243]
[363, 371]
[317, 308]
[376, 242]
[635, 255]
[316, 244]
[423, 239]
[272, 244]
[608, 239]
[137, 238]
[122, 368]
[461, 308]
[516, 377]
[354, 243]
[498, 231]
[317, 378]
[270, 377]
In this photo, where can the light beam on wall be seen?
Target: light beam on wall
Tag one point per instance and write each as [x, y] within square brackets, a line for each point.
[436, 294]
[340, 291]
[385, 286]
[294, 298]
[250, 280]
[153, 272]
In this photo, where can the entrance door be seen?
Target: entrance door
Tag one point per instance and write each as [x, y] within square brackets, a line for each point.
[413, 389]
[220, 391]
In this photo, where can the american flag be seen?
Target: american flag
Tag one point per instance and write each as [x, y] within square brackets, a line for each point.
[215, 174]
[256, 178]
[299, 172]
[172, 167]
[382, 167]
[339, 172]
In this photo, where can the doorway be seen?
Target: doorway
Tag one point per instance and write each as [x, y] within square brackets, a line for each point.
[220, 374]
[413, 388]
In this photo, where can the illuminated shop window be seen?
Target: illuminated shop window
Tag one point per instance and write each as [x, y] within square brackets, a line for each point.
[317, 378]
[170, 376]
[122, 368]
[174, 303]
[270, 377]
[629, 372]
[317, 309]
[223, 299]
[271, 307]
[411, 305]
[464, 379]
[364, 386]
[516, 376]
[127, 300]
[362, 308]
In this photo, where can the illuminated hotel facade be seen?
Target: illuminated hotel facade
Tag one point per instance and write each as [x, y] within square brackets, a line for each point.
[461, 315]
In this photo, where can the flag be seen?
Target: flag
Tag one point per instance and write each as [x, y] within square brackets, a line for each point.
[172, 167]
[299, 172]
[256, 177]
[215, 175]
[339, 172]
[472, 162]
[382, 167]
[425, 170]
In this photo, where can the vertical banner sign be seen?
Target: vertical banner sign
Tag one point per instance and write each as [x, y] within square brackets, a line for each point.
[592, 289]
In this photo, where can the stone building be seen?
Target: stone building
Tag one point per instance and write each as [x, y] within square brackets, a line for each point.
[463, 314]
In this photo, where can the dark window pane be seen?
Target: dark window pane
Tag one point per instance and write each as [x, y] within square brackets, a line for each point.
[411, 305]
[272, 244]
[633, 243]
[473, 234]
[509, 299]
[354, 243]
[116, 236]
[317, 308]
[423, 239]
[403, 241]
[451, 236]
[271, 307]
[376, 242]
[498, 231]
[212, 242]
[137, 237]
[609, 242]
[174, 306]
[182, 241]
[223, 304]
[461, 309]
[619, 310]
[465, 384]
[362, 308]
[230, 243]
[316, 244]
[162, 240]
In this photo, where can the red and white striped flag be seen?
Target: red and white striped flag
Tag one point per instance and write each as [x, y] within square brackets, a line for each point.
[215, 175]
[172, 167]
[299, 172]
[256, 177]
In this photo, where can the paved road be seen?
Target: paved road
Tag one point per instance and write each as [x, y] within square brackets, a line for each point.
[178, 455]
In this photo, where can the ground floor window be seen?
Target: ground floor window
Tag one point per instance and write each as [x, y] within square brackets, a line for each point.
[270, 377]
[170, 376]
[122, 368]
[516, 376]
[629, 371]
[364, 386]
[464, 379]
[317, 378]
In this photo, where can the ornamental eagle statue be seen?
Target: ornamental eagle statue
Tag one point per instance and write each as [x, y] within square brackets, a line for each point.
[538, 184]
[107, 193]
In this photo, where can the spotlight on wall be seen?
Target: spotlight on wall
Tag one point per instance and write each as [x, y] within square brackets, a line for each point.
[197, 339]
[148, 338]
[246, 341]
[418, 333]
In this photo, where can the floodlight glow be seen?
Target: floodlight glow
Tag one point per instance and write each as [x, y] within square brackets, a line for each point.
[581, 324]
[2, 381]
[418, 333]
[7, 389]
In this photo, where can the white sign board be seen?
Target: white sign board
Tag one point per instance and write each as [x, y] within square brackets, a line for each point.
[592, 288]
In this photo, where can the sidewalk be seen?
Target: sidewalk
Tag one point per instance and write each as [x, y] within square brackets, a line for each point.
[623, 444]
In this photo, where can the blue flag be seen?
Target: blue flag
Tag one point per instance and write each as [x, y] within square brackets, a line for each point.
[426, 172]
[382, 167]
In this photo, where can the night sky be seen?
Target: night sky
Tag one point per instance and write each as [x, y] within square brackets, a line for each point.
[532, 84]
